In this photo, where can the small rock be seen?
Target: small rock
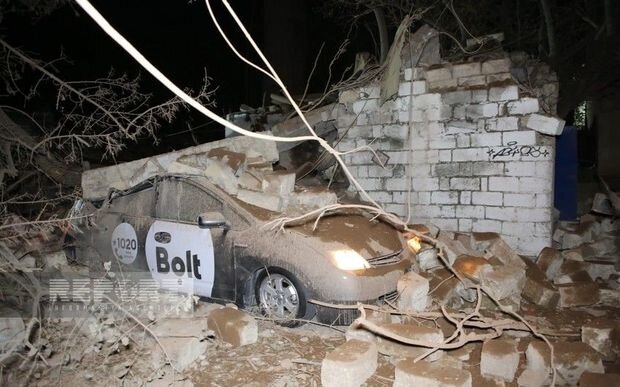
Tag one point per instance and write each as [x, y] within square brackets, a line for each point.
[350, 364]
[233, 326]
[500, 359]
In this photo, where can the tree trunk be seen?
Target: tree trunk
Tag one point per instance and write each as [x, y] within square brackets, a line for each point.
[383, 33]
[547, 15]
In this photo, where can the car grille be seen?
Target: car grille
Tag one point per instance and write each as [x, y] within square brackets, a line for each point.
[387, 259]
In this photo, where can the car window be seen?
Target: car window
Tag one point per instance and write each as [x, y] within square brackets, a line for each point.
[139, 203]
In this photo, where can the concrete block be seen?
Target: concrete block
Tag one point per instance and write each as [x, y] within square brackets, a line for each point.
[603, 336]
[456, 97]
[426, 374]
[549, 125]
[538, 356]
[251, 180]
[506, 255]
[486, 139]
[549, 261]
[572, 359]
[351, 364]
[538, 289]
[469, 154]
[523, 106]
[233, 326]
[507, 93]
[477, 111]
[487, 198]
[269, 201]
[465, 183]
[389, 347]
[499, 359]
[281, 183]
[503, 282]
[438, 74]
[413, 292]
[520, 137]
[501, 124]
[471, 267]
[414, 73]
[412, 88]
[442, 85]
[476, 80]
[505, 184]
[578, 294]
[427, 259]
[533, 378]
[313, 198]
[496, 66]
[466, 69]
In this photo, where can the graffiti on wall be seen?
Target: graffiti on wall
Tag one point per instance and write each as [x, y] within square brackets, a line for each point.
[513, 149]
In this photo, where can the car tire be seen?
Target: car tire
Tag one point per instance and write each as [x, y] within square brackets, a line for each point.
[282, 297]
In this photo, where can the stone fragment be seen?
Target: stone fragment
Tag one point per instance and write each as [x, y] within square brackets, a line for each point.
[426, 374]
[350, 364]
[538, 356]
[502, 251]
[503, 282]
[533, 378]
[549, 261]
[578, 294]
[389, 347]
[412, 292]
[221, 175]
[592, 379]
[538, 289]
[453, 248]
[601, 269]
[444, 286]
[233, 326]
[268, 201]
[281, 183]
[471, 267]
[251, 180]
[359, 334]
[552, 126]
[235, 160]
[603, 336]
[572, 359]
[427, 259]
[183, 351]
[500, 359]
[482, 240]
[313, 198]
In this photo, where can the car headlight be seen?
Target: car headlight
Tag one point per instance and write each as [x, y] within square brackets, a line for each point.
[349, 260]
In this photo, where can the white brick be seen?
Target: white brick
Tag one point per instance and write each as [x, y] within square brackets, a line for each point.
[424, 197]
[535, 185]
[465, 225]
[534, 215]
[487, 198]
[463, 140]
[412, 88]
[456, 97]
[365, 105]
[518, 168]
[466, 69]
[502, 124]
[544, 169]
[349, 364]
[496, 66]
[507, 93]
[438, 74]
[476, 212]
[469, 154]
[499, 77]
[425, 184]
[476, 80]
[426, 211]
[465, 183]
[369, 184]
[484, 225]
[486, 139]
[544, 200]
[445, 155]
[397, 184]
[501, 213]
[442, 143]
[382, 196]
[505, 184]
[454, 127]
[487, 168]
[518, 200]
[552, 126]
[446, 224]
[447, 211]
[479, 95]
[399, 209]
[445, 84]
[444, 183]
[427, 101]
[465, 197]
[444, 197]
[414, 73]
[521, 137]
[395, 131]
[481, 110]
[523, 106]
[401, 197]
[438, 114]
[396, 157]
[371, 91]
[377, 171]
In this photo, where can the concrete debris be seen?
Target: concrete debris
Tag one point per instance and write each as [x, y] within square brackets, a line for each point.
[427, 374]
[538, 356]
[503, 282]
[602, 205]
[603, 336]
[427, 258]
[412, 292]
[281, 183]
[499, 359]
[183, 351]
[313, 198]
[578, 294]
[471, 267]
[268, 201]
[12, 328]
[572, 359]
[233, 326]
[538, 289]
[549, 261]
[499, 249]
[351, 364]
[389, 347]
[234, 160]
[533, 378]
[552, 126]
[360, 334]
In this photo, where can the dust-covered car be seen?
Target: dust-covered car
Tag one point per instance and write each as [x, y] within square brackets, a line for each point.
[187, 230]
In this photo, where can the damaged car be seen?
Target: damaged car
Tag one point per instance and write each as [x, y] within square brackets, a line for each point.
[186, 230]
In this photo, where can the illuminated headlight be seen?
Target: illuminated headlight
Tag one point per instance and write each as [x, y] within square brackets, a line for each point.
[349, 260]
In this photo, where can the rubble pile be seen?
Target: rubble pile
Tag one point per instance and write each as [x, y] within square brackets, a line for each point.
[564, 291]
[241, 166]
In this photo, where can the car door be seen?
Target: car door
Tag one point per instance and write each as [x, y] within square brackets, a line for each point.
[177, 248]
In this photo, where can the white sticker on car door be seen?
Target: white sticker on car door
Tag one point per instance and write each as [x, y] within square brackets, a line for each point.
[125, 243]
[181, 252]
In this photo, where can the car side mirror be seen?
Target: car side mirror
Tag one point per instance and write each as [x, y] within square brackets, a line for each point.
[213, 220]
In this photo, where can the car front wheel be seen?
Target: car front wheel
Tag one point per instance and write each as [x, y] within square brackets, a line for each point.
[281, 297]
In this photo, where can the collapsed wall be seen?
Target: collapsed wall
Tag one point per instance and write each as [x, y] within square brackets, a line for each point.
[466, 139]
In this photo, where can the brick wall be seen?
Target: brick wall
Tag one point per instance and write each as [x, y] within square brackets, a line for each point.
[456, 138]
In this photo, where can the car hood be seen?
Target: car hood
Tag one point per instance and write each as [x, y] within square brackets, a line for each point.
[371, 239]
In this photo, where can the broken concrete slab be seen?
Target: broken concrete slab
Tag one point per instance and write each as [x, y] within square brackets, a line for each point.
[603, 336]
[444, 286]
[233, 326]
[412, 292]
[234, 160]
[268, 201]
[251, 180]
[502, 251]
[313, 198]
[572, 359]
[499, 359]
[503, 282]
[96, 183]
[279, 182]
[389, 347]
[453, 248]
[578, 294]
[428, 374]
[538, 289]
[350, 364]
[544, 124]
